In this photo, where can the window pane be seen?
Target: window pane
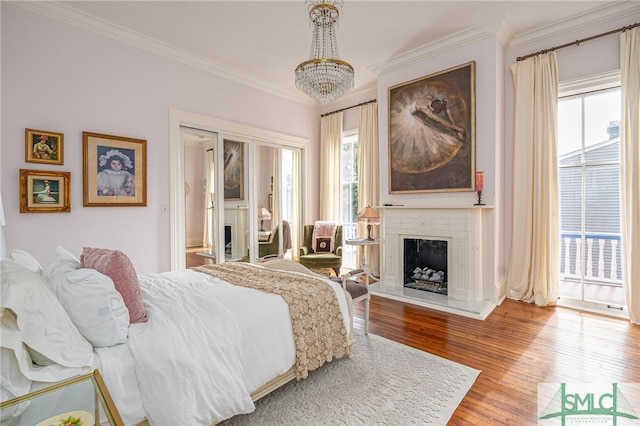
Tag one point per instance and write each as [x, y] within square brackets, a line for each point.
[602, 212]
[600, 110]
[569, 126]
[570, 199]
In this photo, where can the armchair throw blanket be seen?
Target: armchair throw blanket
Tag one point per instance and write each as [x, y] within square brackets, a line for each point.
[318, 326]
[323, 230]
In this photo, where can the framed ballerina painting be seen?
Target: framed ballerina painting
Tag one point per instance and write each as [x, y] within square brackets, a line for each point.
[233, 170]
[432, 132]
[114, 171]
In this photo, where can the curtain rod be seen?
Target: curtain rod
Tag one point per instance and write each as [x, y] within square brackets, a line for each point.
[352, 106]
[577, 42]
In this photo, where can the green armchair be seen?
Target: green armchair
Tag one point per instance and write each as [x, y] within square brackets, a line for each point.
[270, 248]
[311, 259]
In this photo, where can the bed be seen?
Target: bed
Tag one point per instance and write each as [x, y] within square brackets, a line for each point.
[195, 346]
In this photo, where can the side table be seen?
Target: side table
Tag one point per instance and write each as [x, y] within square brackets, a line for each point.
[83, 399]
[363, 242]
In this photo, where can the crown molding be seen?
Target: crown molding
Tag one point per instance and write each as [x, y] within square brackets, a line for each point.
[68, 15]
[577, 23]
[496, 27]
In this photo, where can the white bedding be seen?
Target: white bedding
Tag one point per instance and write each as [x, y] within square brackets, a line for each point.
[207, 345]
[119, 376]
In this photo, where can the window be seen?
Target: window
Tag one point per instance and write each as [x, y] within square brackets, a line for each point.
[349, 196]
[589, 181]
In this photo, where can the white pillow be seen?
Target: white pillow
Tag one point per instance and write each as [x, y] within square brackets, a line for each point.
[61, 263]
[26, 260]
[90, 298]
[44, 326]
[93, 304]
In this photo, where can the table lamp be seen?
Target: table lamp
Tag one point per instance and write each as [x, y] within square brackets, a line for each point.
[263, 214]
[370, 216]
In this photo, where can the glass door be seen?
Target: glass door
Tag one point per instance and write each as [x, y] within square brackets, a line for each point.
[589, 181]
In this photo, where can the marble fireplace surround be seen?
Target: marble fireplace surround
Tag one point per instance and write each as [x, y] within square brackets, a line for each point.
[469, 256]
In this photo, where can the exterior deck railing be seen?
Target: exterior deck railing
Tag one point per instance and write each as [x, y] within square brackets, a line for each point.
[596, 257]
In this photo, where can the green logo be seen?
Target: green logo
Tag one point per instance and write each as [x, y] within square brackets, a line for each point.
[606, 405]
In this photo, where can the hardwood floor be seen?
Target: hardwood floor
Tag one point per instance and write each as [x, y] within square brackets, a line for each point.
[194, 259]
[516, 347]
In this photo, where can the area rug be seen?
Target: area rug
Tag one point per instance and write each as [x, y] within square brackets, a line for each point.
[384, 383]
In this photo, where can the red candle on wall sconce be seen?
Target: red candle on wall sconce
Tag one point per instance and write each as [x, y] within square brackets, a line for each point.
[479, 181]
[479, 187]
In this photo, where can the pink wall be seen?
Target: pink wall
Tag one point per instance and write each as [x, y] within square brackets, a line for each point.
[484, 53]
[61, 78]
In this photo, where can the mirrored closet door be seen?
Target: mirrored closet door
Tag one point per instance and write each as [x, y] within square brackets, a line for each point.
[242, 196]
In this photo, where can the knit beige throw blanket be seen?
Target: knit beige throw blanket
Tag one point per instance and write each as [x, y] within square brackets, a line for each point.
[318, 326]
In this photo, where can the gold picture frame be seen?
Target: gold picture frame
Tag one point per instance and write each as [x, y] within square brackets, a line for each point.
[41, 146]
[432, 139]
[45, 191]
[114, 171]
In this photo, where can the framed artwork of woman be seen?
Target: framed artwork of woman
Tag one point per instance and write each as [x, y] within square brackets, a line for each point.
[43, 147]
[44, 191]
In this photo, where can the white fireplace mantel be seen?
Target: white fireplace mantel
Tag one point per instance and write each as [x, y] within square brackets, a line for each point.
[469, 233]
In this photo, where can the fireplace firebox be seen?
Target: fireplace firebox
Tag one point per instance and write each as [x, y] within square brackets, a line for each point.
[425, 265]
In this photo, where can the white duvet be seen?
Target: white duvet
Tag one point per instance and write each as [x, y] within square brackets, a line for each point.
[207, 345]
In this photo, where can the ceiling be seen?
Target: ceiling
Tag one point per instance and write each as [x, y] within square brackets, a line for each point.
[260, 43]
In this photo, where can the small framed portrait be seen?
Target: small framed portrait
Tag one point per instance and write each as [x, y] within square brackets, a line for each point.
[114, 171]
[43, 191]
[43, 147]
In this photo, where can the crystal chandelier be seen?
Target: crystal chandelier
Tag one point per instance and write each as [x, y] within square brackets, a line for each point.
[324, 76]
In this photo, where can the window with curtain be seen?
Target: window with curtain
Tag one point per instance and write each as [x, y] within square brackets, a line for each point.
[590, 204]
[349, 196]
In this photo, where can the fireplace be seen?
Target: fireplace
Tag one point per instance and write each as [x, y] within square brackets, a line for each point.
[425, 265]
[438, 257]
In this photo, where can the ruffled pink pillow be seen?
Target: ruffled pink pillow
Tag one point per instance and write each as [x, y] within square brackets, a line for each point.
[117, 266]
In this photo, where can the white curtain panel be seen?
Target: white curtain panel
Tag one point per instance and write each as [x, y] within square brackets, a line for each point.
[330, 170]
[296, 206]
[208, 217]
[3, 243]
[368, 175]
[534, 266]
[277, 182]
[630, 168]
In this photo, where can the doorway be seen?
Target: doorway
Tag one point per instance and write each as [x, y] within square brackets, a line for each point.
[590, 205]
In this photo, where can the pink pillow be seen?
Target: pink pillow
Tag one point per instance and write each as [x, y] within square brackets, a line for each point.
[117, 266]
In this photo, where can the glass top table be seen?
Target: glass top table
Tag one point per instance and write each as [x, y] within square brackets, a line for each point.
[80, 401]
